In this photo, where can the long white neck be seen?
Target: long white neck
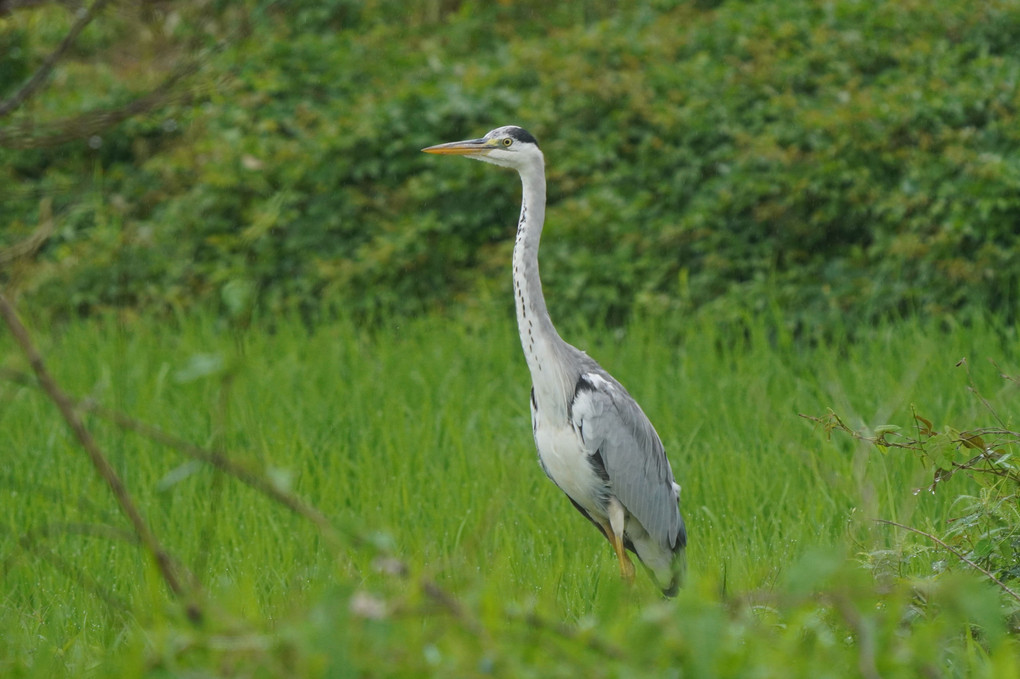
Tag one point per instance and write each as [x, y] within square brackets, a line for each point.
[541, 343]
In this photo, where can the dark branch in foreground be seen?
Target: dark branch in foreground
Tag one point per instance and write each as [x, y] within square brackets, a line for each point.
[35, 82]
[66, 407]
[218, 459]
[33, 134]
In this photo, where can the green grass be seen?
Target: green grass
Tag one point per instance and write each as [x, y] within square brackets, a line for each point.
[416, 437]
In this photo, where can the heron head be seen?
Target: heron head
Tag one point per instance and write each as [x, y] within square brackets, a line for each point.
[508, 146]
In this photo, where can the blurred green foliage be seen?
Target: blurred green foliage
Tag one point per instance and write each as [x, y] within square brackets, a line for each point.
[844, 159]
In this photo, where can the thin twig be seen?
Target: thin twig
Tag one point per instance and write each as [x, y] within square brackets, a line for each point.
[35, 241]
[955, 553]
[223, 462]
[66, 407]
[33, 134]
[36, 134]
[218, 459]
[35, 82]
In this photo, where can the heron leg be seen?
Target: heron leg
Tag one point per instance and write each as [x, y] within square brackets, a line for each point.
[617, 519]
[626, 565]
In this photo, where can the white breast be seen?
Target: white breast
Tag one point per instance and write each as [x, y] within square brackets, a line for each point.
[566, 461]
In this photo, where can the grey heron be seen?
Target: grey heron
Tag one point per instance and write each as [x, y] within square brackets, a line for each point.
[594, 441]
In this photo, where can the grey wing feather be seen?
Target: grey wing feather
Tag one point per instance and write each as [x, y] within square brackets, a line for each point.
[612, 423]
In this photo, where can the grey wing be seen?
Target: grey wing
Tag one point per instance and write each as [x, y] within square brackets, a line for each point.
[612, 425]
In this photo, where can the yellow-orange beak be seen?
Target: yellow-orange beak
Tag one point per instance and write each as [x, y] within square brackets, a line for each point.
[468, 147]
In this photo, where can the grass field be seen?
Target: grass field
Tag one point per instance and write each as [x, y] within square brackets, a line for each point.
[454, 555]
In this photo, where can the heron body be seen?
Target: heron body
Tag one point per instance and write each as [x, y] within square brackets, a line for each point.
[593, 440]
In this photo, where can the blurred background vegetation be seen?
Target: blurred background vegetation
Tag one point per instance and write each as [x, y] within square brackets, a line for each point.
[820, 165]
[827, 160]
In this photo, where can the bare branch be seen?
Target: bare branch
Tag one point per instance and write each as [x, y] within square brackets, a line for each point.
[32, 134]
[30, 245]
[66, 407]
[223, 462]
[218, 459]
[85, 17]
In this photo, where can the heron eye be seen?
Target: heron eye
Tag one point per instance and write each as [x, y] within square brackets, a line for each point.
[507, 141]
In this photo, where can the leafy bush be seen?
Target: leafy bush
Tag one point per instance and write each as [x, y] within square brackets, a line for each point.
[833, 161]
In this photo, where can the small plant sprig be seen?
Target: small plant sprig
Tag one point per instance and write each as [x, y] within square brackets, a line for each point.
[986, 534]
[950, 450]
